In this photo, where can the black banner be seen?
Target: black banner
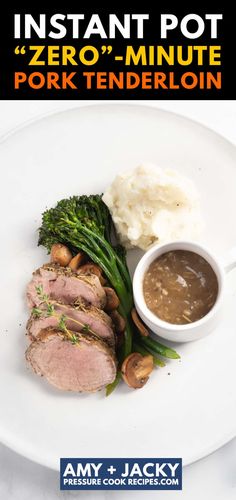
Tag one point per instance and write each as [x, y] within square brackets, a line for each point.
[92, 53]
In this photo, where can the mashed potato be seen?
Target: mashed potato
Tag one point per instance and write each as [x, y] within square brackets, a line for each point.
[149, 205]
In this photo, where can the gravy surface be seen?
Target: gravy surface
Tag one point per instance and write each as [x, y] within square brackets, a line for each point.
[180, 287]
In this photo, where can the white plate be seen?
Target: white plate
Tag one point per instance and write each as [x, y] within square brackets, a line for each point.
[188, 408]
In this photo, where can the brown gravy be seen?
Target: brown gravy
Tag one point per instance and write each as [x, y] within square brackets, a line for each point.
[180, 287]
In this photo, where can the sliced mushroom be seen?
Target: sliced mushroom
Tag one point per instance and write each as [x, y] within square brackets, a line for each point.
[136, 369]
[139, 324]
[91, 268]
[118, 321]
[61, 254]
[103, 281]
[112, 299]
[77, 261]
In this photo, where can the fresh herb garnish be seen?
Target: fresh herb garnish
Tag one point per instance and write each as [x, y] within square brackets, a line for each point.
[48, 309]
[86, 328]
[36, 312]
[74, 339]
[62, 323]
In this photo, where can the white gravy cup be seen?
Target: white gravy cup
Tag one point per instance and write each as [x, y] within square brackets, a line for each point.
[190, 331]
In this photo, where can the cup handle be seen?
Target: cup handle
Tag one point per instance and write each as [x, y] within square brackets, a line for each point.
[229, 260]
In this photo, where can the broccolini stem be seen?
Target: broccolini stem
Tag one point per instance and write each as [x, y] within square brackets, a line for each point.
[109, 266]
[126, 348]
[124, 273]
[112, 256]
[90, 237]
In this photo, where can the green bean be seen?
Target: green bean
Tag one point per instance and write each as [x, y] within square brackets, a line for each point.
[157, 347]
[111, 387]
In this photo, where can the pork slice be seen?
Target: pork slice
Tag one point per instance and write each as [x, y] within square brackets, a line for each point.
[63, 284]
[77, 319]
[84, 367]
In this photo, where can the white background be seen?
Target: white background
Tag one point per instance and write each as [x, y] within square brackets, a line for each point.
[213, 478]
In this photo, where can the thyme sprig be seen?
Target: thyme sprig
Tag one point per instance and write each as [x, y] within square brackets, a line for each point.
[62, 323]
[62, 318]
[50, 311]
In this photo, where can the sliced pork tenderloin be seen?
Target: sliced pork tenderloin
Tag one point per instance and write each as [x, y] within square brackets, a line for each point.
[84, 367]
[63, 284]
[77, 319]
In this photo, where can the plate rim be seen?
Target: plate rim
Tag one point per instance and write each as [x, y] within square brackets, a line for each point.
[6, 438]
[50, 464]
[92, 104]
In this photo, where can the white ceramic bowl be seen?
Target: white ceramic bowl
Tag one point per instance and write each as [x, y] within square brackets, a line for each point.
[190, 331]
